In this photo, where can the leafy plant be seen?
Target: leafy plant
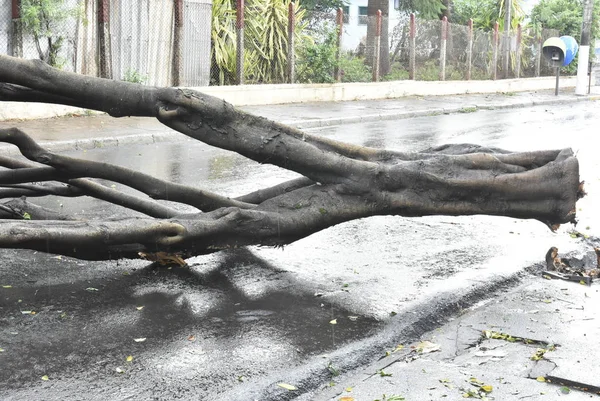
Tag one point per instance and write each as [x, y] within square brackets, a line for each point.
[265, 40]
[40, 18]
[134, 76]
[316, 56]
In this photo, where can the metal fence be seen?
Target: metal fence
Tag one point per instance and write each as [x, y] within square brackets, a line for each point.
[156, 42]
[198, 42]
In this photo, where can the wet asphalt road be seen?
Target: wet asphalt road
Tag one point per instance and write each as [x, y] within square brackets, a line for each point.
[237, 323]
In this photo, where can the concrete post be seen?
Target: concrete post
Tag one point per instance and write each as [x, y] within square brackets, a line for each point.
[377, 47]
[291, 56]
[412, 44]
[104, 53]
[518, 50]
[507, 21]
[583, 57]
[239, 49]
[538, 56]
[469, 49]
[339, 22]
[443, 48]
[177, 42]
[495, 53]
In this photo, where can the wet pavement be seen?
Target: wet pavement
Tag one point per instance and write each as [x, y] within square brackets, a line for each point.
[235, 324]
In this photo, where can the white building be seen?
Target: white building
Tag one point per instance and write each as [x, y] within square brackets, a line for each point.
[355, 22]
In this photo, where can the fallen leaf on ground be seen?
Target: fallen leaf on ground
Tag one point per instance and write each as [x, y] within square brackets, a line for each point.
[92, 289]
[7, 286]
[334, 321]
[139, 340]
[192, 338]
[1, 349]
[129, 358]
[286, 386]
[139, 307]
[541, 379]
[425, 347]
[119, 370]
[28, 312]
[487, 388]
[347, 398]
[45, 378]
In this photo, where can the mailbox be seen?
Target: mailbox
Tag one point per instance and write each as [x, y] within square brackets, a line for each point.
[554, 50]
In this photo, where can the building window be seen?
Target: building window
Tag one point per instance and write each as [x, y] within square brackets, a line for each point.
[346, 10]
[362, 16]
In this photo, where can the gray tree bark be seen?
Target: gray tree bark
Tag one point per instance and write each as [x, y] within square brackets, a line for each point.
[340, 182]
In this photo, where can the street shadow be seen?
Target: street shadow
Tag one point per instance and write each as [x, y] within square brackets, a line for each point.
[233, 301]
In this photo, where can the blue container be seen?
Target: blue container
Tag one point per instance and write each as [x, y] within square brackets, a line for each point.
[571, 49]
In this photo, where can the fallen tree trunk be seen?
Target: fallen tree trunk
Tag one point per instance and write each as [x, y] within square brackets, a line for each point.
[340, 182]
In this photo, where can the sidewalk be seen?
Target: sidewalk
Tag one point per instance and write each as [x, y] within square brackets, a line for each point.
[539, 341]
[100, 130]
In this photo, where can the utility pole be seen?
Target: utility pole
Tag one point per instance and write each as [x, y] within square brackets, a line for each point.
[584, 48]
[507, 21]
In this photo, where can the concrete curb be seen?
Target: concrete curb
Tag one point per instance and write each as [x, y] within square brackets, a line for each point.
[418, 320]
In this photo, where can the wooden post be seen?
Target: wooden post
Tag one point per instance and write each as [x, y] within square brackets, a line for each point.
[469, 49]
[104, 53]
[495, 55]
[16, 31]
[239, 50]
[518, 55]
[377, 48]
[291, 57]
[412, 44]
[339, 22]
[538, 56]
[177, 42]
[443, 48]
[507, 22]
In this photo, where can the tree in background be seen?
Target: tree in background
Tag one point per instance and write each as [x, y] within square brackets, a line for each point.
[565, 16]
[425, 9]
[41, 18]
[485, 13]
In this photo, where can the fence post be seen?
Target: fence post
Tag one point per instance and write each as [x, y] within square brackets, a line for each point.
[16, 31]
[339, 21]
[518, 55]
[412, 44]
[443, 48]
[377, 47]
[291, 57]
[506, 41]
[239, 49]
[495, 56]
[469, 49]
[538, 56]
[177, 42]
[104, 56]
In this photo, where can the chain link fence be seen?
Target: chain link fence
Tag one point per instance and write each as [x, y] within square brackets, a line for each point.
[155, 42]
[195, 43]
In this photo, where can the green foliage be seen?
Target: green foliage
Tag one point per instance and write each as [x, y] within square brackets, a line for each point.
[425, 9]
[566, 16]
[265, 40]
[317, 59]
[485, 13]
[397, 73]
[40, 19]
[134, 76]
[354, 69]
[316, 56]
